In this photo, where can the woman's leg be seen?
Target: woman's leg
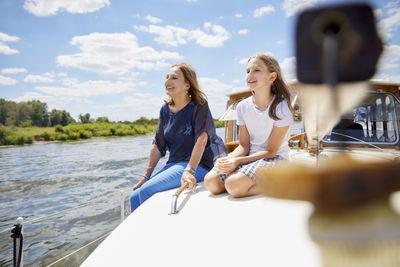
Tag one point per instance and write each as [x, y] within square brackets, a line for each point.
[167, 178]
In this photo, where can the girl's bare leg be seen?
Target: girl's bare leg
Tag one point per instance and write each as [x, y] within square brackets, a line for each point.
[240, 185]
[213, 183]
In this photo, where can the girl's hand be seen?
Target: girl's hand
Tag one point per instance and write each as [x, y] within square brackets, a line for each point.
[188, 179]
[139, 184]
[227, 165]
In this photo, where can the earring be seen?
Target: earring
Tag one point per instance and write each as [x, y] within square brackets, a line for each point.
[188, 94]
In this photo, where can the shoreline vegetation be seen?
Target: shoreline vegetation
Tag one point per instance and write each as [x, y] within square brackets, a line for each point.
[26, 122]
[13, 135]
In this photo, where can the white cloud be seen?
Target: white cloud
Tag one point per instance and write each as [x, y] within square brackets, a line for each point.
[37, 79]
[383, 77]
[114, 53]
[243, 61]
[191, 1]
[8, 38]
[13, 70]
[169, 35]
[212, 35]
[243, 31]
[291, 7]
[132, 107]
[378, 13]
[74, 89]
[51, 7]
[7, 80]
[29, 96]
[288, 69]
[239, 15]
[5, 49]
[153, 20]
[216, 92]
[259, 12]
[390, 58]
[387, 25]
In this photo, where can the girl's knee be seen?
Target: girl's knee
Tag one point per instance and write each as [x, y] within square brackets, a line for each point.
[213, 183]
[238, 186]
[233, 187]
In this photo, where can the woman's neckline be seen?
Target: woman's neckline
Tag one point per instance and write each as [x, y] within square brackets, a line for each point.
[175, 112]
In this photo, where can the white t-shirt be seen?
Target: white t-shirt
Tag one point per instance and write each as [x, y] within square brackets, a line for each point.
[259, 124]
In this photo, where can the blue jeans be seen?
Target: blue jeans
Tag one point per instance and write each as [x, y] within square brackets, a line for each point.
[167, 178]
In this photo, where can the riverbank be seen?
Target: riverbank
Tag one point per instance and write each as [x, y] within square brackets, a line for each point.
[12, 135]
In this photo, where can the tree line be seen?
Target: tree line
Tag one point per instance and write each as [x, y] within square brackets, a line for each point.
[32, 113]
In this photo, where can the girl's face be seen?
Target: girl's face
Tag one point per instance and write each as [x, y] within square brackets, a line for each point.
[175, 83]
[258, 75]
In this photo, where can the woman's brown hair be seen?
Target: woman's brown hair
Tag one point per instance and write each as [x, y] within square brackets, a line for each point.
[278, 87]
[194, 92]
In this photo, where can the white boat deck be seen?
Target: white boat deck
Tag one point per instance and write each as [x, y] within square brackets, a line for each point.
[211, 231]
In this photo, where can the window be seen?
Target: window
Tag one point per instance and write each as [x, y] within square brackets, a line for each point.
[373, 121]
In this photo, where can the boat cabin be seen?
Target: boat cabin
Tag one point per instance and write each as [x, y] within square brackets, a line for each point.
[374, 121]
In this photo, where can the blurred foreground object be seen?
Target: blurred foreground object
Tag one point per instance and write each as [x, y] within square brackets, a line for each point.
[353, 224]
[337, 49]
[338, 182]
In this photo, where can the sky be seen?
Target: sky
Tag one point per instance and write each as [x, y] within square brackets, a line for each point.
[109, 58]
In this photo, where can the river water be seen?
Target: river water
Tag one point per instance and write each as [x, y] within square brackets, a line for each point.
[42, 179]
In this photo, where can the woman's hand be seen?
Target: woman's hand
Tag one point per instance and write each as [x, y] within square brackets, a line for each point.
[227, 165]
[188, 179]
[139, 184]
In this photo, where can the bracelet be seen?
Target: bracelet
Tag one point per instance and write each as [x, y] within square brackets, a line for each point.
[147, 177]
[191, 170]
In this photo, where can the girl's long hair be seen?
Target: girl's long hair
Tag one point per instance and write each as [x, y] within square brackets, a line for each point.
[279, 87]
[194, 92]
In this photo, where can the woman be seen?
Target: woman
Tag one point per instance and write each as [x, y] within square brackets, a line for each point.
[264, 120]
[186, 128]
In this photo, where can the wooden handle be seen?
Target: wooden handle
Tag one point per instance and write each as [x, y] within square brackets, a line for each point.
[180, 190]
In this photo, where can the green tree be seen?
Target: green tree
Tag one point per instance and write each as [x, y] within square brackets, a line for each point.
[64, 118]
[23, 113]
[11, 113]
[84, 118]
[55, 117]
[39, 115]
[3, 111]
[102, 119]
[60, 117]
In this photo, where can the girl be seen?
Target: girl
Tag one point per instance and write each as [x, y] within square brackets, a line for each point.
[264, 120]
[186, 128]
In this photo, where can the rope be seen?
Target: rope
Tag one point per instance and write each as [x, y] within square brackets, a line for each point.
[364, 142]
[58, 212]
[57, 261]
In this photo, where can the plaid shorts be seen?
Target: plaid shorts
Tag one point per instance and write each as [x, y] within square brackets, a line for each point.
[251, 168]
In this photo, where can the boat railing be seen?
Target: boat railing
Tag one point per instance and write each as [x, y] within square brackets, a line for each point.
[17, 229]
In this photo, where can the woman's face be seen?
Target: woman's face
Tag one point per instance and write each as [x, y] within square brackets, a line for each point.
[175, 83]
[258, 75]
